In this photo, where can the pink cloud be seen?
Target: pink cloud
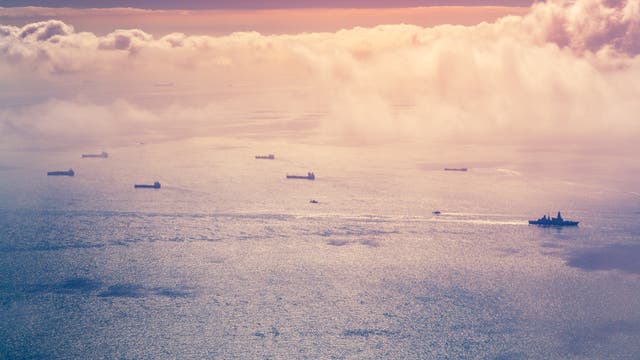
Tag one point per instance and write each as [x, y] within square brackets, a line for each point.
[564, 72]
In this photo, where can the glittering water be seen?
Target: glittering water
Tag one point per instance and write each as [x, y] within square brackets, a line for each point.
[230, 260]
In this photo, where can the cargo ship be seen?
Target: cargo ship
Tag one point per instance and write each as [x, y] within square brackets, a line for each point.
[61, 173]
[309, 176]
[553, 221]
[455, 169]
[156, 185]
[102, 155]
[265, 157]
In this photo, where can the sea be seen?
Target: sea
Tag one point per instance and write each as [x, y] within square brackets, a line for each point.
[230, 260]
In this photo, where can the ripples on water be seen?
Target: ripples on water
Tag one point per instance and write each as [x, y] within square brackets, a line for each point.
[229, 260]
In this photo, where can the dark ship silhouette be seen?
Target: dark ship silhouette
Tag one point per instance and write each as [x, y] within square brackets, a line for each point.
[156, 185]
[61, 173]
[455, 169]
[102, 155]
[265, 157]
[309, 176]
[553, 221]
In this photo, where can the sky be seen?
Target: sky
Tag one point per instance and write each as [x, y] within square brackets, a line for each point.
[558, 72]
[258, 4]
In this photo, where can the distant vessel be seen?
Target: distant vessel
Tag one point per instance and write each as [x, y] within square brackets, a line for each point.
[266, 157]
[313, 201]
[309, 176]
[437, 212]
[156, 185]
[102, 155]
[455, 169]
[61, 173]
[550, 221]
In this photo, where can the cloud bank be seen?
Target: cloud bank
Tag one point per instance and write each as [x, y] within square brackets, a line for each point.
[272, 21]
[567, 71]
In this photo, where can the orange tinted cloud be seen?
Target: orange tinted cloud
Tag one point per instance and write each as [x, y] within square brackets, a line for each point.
[564, 72]
[216, 22]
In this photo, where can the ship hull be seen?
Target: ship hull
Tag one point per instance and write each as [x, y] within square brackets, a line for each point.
[551, 223]
[300, 177]
[138, 186]
[102, 155]
[60, 173]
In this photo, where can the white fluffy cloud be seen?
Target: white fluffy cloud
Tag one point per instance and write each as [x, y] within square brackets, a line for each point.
[589, 25]
[566, 71]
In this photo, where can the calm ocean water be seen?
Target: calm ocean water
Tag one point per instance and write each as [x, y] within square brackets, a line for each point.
[230, 260]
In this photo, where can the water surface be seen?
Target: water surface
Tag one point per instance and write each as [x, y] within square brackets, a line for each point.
[230, 260]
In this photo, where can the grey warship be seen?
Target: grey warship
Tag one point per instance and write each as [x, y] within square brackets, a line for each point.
[553, 221]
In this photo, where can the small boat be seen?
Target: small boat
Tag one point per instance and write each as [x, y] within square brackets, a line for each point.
[309, 176]
[314, 201]
[156, 185]
[265, 157]
[61, 173]
[437, 212]
[102, 155]
[553, 221]
[455, 169]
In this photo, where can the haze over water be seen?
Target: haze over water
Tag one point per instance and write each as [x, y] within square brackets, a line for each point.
[229, 259]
